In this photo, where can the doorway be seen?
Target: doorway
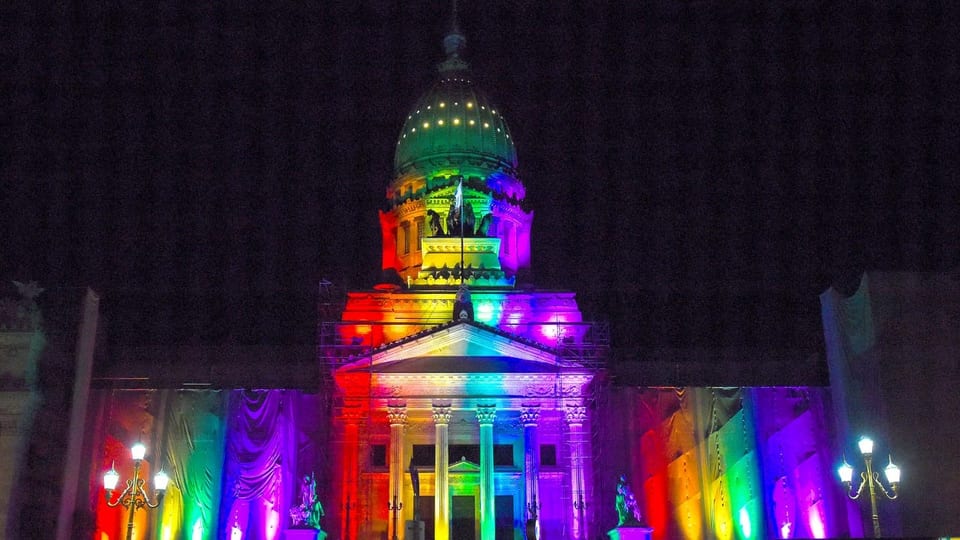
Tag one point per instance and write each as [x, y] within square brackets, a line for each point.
[464, 526]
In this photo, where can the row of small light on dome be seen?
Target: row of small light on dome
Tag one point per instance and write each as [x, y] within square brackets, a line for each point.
[442, 105]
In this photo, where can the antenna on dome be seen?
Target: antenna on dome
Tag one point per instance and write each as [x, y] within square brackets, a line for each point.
[454, 19]
[453, 44]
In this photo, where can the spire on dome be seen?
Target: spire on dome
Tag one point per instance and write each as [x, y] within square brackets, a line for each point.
[453, 44]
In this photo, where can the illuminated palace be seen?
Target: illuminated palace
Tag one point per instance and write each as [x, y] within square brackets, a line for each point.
[452, 394]
[480, 385]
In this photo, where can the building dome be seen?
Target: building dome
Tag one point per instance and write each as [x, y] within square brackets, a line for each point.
[454, 122]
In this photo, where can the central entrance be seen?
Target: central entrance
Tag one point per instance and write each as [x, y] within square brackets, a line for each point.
[464, 514]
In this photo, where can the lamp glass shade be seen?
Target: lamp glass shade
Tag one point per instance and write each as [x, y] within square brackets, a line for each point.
[846, 472]
[892, 473]
[137, 451]
[160, 480]
[866, 446]
[110, 479]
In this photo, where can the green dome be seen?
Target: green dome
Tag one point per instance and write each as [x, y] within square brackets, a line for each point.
[451, 123]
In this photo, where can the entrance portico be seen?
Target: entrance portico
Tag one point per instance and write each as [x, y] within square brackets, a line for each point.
[470, 389]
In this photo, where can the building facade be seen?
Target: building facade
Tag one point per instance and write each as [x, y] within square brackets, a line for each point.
[450, 369]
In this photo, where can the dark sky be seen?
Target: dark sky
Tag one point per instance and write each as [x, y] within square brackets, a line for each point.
[700, 171]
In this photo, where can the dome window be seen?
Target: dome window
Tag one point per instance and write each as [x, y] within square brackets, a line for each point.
[428, 107]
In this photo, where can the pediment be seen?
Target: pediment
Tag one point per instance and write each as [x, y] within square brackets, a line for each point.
[464, 466]
[472, 346]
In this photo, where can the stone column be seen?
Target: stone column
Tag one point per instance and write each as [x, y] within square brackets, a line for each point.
[352, 415]
[397, 415]
[488, 520]
[531, 466]
[441, 470]
[576, 415]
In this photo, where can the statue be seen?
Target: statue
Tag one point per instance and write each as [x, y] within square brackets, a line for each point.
[463, 306]
[454, 217]
[483, 229]
[308, 514]
[433, 221]
[627, 507]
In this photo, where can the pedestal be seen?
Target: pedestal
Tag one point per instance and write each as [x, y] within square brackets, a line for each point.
[304, 534]
[414, 530]
[631, 533]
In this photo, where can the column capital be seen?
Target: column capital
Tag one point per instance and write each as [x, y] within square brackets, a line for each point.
[530, 415]
[486, 414]
[397, 414]
[441, 414]
[576, 415]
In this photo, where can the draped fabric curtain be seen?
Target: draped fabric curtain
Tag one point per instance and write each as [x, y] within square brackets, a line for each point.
[194, 441]
[732, 463]
[129, 416]
[184, 434]
[233, 458]
[260, 464]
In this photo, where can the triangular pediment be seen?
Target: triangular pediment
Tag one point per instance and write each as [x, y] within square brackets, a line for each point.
[487, 349]
[464, 466]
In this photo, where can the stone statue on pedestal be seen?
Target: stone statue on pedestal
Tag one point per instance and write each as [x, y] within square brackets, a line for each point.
[627, 508]
[308, 514]
[631, 525]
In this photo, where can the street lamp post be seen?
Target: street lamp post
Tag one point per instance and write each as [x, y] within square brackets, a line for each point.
[395, 508]
[870, 479]
[134, 497]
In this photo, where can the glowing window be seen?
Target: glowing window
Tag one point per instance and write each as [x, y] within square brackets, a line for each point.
[419, 222]
[426, 125]
[439, 122]
[472, 122]
[469, 104]
[405, 238]
[486, 124]
[456, 121]
[412, 130]
[442, 104]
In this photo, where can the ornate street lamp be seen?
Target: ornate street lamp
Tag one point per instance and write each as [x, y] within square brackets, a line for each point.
[134, 497]
[395, 508]
[871, 479]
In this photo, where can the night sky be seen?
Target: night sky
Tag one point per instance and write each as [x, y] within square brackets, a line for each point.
[700, 171]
